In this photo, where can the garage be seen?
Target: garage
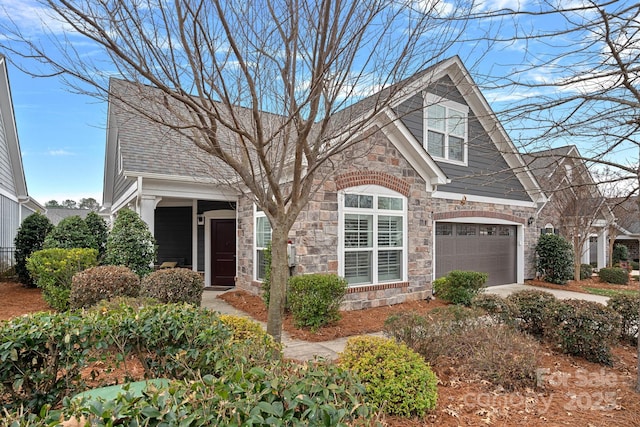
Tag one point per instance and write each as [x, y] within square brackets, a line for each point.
[486, 248]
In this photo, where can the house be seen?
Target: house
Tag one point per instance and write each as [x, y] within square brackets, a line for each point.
[575, 208]
[440, 187]
[56, 215]
[15, 203]
[626, 230]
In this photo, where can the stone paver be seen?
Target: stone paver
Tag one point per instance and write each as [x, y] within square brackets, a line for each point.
[304, 350]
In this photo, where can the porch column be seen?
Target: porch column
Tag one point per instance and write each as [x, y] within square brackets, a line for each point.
[147, 210]
[586, 254]
[603, 248]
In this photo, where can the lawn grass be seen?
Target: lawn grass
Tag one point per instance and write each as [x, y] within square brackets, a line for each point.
[610, 292]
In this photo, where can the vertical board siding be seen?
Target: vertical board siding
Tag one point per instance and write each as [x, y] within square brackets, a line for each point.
[173, 234]
[9, 223]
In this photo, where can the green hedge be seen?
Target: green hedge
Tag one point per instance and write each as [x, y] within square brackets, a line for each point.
[173, 285]
[459, 287]
[628, 307]
[314, 299]
[615, 275]
[53, 270]
[95, 284]
[554, 258]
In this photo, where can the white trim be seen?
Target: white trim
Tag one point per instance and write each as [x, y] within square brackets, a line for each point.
[430, 99]
[126, 198]
[194, 235]
[8, 195]
[481, 199]
[373, 190]
[208, 216]
[254, 248]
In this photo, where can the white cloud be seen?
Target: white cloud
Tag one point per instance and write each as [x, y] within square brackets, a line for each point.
[60, 152]
[31, 18]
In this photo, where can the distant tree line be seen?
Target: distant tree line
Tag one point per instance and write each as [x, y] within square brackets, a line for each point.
[85, 203]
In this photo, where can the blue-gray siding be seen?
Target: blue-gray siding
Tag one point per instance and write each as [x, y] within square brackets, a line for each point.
[487, 173]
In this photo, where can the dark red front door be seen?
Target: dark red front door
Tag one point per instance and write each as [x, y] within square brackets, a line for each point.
[223, 252]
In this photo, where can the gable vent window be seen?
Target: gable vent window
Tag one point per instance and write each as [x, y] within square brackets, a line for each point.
[446, 129]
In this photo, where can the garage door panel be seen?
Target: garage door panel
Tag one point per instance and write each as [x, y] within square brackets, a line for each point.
[476, 247]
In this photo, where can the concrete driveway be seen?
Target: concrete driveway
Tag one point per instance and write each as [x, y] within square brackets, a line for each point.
[506, 290]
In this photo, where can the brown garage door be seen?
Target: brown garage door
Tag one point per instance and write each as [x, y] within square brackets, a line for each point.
[486, 248]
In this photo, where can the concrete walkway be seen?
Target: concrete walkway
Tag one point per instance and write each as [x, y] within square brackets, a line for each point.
[304, 350]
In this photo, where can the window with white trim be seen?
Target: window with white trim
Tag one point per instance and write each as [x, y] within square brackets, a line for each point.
[262, 240]
[373, 240]
[446, 129]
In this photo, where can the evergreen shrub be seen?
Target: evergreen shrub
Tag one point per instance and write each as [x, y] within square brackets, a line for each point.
[173, 285]
[29, 238]
[554, 258]
[105, 282]
[314, 299]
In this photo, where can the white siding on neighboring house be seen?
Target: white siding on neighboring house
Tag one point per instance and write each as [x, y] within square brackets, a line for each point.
[6, 175]
[10, 214]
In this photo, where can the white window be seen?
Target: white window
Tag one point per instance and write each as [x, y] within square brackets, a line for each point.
[262, 240]
[446, 129]
[373, 235]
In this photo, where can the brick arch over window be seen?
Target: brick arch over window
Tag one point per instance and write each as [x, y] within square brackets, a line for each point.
[440, 216]
[354, 179]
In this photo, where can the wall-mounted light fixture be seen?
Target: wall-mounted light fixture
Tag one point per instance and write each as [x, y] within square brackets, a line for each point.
[200, 219]
[530, 221]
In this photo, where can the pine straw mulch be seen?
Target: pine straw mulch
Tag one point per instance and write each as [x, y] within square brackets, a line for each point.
[580, 285]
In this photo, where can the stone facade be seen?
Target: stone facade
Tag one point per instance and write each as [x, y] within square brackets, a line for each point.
[375, 162]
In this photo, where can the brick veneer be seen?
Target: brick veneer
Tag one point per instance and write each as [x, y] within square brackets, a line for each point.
[356, 178]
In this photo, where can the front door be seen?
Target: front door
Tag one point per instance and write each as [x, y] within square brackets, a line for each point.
[223, 252]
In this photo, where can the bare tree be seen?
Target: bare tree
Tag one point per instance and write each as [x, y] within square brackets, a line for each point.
[263, 88]
[582, 87]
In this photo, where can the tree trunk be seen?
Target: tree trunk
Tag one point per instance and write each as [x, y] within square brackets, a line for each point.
[279, 278]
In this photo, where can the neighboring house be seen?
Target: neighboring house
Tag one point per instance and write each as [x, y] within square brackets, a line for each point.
[56, 215]
[441, 187]
[576, 209]
[15, 203]
[626, 230]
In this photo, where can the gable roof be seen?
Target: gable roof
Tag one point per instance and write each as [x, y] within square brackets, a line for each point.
[142, 152]
[627, 214]
[11, 137]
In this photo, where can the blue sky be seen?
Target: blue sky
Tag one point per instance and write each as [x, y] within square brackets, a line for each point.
[62, 138]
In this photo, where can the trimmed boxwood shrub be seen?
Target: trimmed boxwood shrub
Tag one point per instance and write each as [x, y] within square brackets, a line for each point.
[615, 275]
[71, 232]
[174, 285]
[586, 329]
[53, 270]
[397, 380]
[29, 239]
[628, 307]
[459, 287]
[314, 299]
[130, 243]
[90, 286]
[585, 271]
[534, 310]
[554, 258]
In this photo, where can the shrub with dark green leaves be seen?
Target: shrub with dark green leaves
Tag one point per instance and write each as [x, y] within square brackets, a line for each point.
[554, 258]
[634, 265]
[397, 380]
[628, 307]
[130, 243]
[283, 395]
[615, 275]
[90, 286]
[620, 253]
[174, 285]
[500, 309]
[534, 310]
[29, 239]
[98, 228]
[585, 271]
[586, 329]
[53, 270]
[480, 348]
[71, 232]
[314, 299]
[459, 287]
